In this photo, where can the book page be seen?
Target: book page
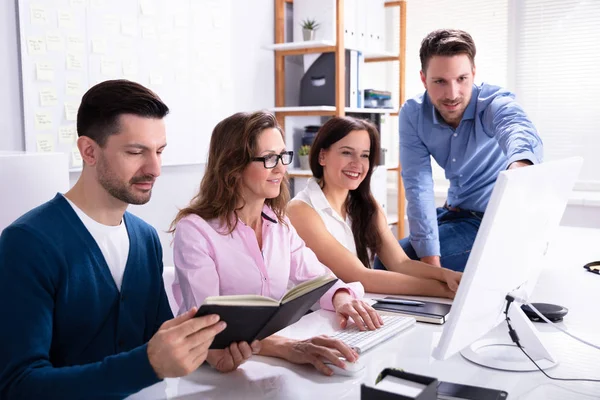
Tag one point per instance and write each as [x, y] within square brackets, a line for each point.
[241, 300]
[306, 287]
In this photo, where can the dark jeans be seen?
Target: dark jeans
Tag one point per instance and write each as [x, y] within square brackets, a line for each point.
[457, 232]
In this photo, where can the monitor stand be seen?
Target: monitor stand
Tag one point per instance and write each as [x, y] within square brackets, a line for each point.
[502, 353]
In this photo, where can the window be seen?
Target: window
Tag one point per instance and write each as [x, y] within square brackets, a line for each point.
[557, 79]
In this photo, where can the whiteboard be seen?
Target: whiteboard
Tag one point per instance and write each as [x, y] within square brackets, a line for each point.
[180, 49]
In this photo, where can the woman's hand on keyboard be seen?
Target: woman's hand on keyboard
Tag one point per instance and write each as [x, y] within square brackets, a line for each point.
[363, 315]
[314, 351]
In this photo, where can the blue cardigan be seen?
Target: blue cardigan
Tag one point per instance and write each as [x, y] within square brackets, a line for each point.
[66, 332]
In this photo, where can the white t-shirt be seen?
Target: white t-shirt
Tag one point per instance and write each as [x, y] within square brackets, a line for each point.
[341, 230]
[113, 242]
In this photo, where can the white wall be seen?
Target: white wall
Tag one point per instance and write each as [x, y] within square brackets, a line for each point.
[253, 85]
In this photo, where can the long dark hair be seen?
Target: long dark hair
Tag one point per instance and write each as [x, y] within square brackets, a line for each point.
[232, 147]
[360, 204]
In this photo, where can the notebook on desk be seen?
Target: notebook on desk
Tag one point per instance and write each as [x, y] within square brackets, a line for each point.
[427, 311]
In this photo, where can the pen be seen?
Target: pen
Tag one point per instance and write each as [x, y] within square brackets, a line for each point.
[401, 302]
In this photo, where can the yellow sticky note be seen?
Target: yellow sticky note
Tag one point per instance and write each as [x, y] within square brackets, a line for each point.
[148, 7]
[73, 87]
[149, 32]
[99, 46]
[67, 134]
[43, 120]
[76, 160]
[111, 23]
[181, 20]
[75, 43]
[45, 143]
[130, 67]
[65, 19]
[108, 66]
[36, 45]
[156, 79]
[54, 41]
[71, 111]
[74, 62]
[129, 27]
[44, 71]
[38, 14]
[48, 97]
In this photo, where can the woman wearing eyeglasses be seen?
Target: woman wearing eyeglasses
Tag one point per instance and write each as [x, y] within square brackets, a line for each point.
[234, 238]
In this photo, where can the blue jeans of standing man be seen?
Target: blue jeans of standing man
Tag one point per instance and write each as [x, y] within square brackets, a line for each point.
[457, 232]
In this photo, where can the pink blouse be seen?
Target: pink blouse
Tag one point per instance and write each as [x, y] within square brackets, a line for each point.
[209, 263]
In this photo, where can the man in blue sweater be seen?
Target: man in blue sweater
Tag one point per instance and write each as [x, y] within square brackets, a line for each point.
[84, 310]
[473, 132]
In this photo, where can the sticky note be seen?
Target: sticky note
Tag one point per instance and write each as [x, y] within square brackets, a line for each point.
[111, 23]
[149, 32]
[43, 120]
[126, 44]
[71, 111]
[36, 45]
[54, 41]
[108, 66]
[75, 43]
[99, 46]
[130, 67]
[44, 142]
[181, 20]
[77, 2]
[74, 62]
[44, 71]
[38, 14]
[48, 97]
[97, 3]
[76, 160]
[67, 134]
[156, 79]
[65, 19]
[129, 27]
[72, 87]
[148, 7]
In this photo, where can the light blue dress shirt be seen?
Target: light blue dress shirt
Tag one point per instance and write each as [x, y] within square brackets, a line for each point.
[493, 133]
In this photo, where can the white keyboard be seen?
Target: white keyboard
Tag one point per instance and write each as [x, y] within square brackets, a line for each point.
[362, 341]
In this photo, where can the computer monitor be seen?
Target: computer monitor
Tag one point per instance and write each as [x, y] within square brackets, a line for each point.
[522, 215]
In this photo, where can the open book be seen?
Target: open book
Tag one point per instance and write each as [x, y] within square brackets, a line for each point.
[254, 317]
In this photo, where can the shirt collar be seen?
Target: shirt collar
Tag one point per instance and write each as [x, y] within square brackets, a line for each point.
[317, 197]
[268, 214]
[469, 112]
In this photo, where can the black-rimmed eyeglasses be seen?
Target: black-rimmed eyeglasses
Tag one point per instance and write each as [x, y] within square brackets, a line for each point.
[271, 160]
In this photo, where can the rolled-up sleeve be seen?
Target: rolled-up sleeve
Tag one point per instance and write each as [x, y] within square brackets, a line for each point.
[304, 265]
[415, 161]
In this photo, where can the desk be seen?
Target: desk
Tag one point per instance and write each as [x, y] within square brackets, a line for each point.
[269, 378]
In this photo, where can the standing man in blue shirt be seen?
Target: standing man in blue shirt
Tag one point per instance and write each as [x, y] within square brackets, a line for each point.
[473, 132]
[84, 309]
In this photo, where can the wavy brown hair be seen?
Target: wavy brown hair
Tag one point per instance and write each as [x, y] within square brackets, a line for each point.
[232, 147]
[360, 204]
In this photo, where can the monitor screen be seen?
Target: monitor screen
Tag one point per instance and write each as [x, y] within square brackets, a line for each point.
[524, 211]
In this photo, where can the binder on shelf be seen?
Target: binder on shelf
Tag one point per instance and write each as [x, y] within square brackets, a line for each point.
[350, 32]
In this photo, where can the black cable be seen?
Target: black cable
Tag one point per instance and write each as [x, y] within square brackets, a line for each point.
[515, 339]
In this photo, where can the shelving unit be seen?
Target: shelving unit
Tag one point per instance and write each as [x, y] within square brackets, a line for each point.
[283, 49]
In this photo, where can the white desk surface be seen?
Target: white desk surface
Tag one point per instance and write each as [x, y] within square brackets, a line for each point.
[563, 281]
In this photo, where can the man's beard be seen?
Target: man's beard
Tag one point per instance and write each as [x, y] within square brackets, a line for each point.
[119, 190]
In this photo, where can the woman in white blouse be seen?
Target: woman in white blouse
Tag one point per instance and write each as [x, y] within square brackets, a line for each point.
[341, 222]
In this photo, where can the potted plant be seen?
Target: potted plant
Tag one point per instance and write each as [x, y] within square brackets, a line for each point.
[309, 26]
[303, 156]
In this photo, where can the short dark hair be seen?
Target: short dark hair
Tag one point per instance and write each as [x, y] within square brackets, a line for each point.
[103, 104]
[446, 42]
